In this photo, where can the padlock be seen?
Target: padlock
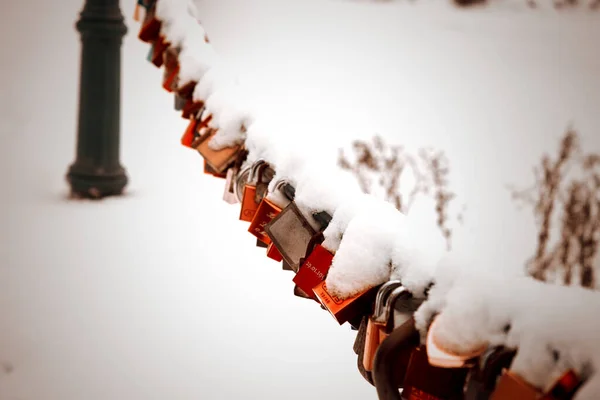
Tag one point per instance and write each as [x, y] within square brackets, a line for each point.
[261, 244]
[512, 386]
[159, 47]
[209, 171]
[273, 253]
[440, 357]
[314, 269]
[300, 293]
[565, 387]
[291, 233]
[190, 133]
[229, 192]
[187, 91]
[424, 381]
[179, 102]
[219, 160]
[346, 309]
[171, 69]
[284, 264]
[374, 336]
[394, 307]
[251, 200]
[359, 348]
[266, 211]
[483, 377]
[150, 29]
[191, 108]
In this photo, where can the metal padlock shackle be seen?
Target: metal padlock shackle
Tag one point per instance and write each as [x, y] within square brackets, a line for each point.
[200, 113]
[240, 180]
[382, 293]
[383, 315]
[256, 168]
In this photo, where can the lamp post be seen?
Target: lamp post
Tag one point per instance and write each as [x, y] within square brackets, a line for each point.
[97, 171]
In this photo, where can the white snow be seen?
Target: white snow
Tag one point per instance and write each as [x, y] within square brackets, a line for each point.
[134, 298]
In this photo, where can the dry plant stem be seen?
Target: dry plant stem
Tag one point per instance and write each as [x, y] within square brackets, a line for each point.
[577, 202]
[388, 163]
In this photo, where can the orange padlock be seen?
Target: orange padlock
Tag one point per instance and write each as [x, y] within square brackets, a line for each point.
[251, 198]
[150, 29]
[219, 160]
[512, 386]
[347, 309]
[249, 206]
[266, 211]
[273, 253]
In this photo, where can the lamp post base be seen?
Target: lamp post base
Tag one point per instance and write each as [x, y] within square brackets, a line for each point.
[95, 184]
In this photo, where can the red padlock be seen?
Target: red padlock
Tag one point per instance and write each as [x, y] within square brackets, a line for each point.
[160, 46]
[171, 73]
[150, 29]
[273, 253]
[426, 382]
[314, 269]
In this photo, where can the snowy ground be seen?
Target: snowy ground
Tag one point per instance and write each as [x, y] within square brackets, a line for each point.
[128, 299]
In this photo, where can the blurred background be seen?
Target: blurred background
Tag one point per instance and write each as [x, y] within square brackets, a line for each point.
[161, 293]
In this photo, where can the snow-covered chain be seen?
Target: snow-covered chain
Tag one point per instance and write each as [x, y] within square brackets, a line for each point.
[373, 242]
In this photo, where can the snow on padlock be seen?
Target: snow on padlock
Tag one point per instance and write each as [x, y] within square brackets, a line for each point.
[512, 386]
[314, 269]
[347, 309]
[218, 160]
[291, 233]
[440, 357]
[150, 28]
[255, 189]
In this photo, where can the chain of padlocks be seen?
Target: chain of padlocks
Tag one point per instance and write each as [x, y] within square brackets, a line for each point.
[390, 353]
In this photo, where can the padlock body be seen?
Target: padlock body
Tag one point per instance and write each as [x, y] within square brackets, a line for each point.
[291, 234]
[190, 133]
[158, 50]
[210, 171]
[266, 211]
[426, 382]
[273, 253]
[314, 269]
[150, 29]
[344, 310]
[219, 160]
[372, 341]
[249, 206]
[512, 386]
